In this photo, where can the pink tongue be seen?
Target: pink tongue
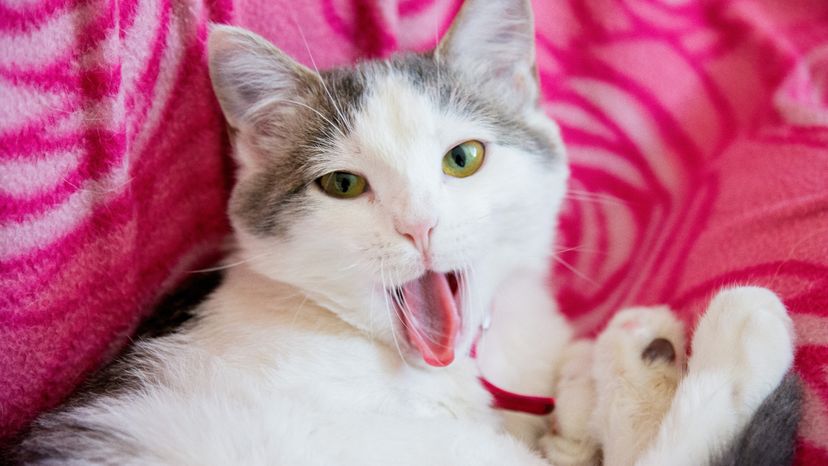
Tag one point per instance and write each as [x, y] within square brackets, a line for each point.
[432, 319]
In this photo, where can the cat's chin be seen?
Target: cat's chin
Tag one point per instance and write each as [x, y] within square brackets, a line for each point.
[430, 310]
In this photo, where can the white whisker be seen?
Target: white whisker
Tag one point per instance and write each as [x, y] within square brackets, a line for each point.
[233, 264]
[318, 113]
[389, 312]
[318, 74]
[573, 269]
[594, 197]
[580, 249]
[299, 309]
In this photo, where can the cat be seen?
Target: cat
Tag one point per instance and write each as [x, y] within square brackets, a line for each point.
[380, 212]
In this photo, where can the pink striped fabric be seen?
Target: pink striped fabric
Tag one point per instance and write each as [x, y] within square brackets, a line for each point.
[698, 133]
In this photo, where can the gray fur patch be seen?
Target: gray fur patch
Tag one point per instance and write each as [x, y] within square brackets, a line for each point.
[472, 98]
[770, 437]
[277, 193]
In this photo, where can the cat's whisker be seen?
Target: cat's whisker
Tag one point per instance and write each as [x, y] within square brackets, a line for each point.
[437, 58]
[371, 319]
[318, 74]
[357, 263]
[389, 312]
[341, 133]
[299, 309]
[468, 295]
[233, 264]
[572, 269]
[580, 249]
[465, 290]
[472, 279]
[594, 197]
[400, 300]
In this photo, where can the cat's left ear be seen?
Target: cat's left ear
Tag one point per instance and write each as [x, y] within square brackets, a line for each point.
[493, 42]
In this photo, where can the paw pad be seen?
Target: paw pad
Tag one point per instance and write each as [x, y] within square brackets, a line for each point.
[659, 349]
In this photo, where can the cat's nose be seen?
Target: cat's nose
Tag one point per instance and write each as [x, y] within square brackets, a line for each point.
[417, 232]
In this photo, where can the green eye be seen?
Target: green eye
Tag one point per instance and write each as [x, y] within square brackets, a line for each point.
[343, 185]
[463, 159]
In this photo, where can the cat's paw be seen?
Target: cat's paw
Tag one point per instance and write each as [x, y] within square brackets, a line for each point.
[638, 360]
[747, 334]
[636, 342]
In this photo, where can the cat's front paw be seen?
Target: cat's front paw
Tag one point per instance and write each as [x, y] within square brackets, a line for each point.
[638, 360]
[637, 342]
[747, 334]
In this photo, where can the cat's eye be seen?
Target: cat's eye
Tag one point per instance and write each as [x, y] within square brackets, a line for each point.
[464, 159]
[343, 185]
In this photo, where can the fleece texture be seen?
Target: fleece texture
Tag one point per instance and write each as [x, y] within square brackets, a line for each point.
[697, 132]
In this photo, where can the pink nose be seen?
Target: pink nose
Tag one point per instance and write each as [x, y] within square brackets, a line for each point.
[419, 233]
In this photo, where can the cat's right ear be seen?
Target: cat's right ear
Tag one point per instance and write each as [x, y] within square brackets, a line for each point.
[253, 79]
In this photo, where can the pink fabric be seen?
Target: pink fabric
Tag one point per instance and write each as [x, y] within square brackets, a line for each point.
[697, 129]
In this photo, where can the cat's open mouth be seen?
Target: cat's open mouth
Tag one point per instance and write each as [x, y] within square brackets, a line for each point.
[429, 308]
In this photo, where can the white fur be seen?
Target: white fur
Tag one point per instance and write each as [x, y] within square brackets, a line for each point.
[269, 379]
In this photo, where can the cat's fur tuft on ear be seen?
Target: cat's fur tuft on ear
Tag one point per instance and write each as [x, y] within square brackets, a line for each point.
[251, 77]
[493, 42]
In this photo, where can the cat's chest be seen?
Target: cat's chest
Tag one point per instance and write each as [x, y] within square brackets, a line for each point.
[370, 380]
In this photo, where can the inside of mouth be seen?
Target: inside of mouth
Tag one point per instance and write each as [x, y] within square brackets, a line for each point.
[454, 283]
[429, 310]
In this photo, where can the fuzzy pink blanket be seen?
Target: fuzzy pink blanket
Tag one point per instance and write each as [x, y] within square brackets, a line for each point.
[697, 129]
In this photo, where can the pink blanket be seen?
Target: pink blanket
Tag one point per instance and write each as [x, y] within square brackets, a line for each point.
[698, 133]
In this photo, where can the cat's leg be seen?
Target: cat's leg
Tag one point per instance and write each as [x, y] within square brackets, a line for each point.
[638, 361]
[521, 349]
[570, 441]
[742, 348]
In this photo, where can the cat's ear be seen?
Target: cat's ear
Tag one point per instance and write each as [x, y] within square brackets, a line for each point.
[493, 42]
[252, 78]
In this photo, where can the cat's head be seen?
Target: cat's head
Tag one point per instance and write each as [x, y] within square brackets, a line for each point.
[396, 193]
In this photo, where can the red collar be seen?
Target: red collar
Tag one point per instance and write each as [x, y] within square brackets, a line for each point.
[511, 401]
[502, 399]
